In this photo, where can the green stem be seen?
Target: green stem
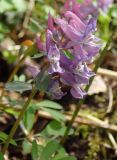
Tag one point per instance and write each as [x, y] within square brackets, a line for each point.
[98, 63]
[13, 73]
[29, 51]
[16, 124]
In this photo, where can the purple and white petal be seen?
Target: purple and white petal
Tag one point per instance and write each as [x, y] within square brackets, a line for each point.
[77, 92]
[55, 90]
[34, 70]
[54, 58]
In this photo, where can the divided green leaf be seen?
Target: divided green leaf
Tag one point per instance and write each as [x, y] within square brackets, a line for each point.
[48, 104]
[42, 81]
[1, 156]
[39, 55]
[29, 118]
[36, 150]
[57, 115]
[4, 136]
[54, 128]
[18, 86]
[26, 146]
[49, 150]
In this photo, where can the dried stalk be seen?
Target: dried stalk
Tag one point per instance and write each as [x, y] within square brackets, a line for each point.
[86, 120]
[106, 72]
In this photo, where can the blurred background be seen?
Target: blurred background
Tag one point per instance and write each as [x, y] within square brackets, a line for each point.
[20, 22]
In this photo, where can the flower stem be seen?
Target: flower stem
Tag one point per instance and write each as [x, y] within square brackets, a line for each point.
[12, 74]
[15, 126]
[98, 63]
[27, 52]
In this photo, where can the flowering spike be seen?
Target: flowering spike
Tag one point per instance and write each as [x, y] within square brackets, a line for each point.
[72, 33]
[50, 22]
[40, 45]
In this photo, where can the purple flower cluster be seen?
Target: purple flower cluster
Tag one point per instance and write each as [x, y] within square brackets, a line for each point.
[104, 4]
[87, 7]
[70, 45]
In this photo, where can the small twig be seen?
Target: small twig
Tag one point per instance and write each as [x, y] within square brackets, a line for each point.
[24, 129]
[109, 73]
[12, 74]
[27, 17]
[83, 119]
[112, 139]
[110, 105]
[109, 109]
[19, 63]
[28, 13]
[106, 145]
[86, 120]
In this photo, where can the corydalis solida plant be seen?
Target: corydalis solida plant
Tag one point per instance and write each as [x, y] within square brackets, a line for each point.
[69, 46]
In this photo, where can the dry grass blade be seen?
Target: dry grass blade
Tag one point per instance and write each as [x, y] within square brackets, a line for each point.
[88, 120]
[109, 73]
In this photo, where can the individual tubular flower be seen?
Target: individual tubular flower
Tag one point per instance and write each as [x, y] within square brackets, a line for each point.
[81, 39]
[82, 10]
[53, 54]
[104, 4]
[40, 45]
[77, 92]
[87, 7]
[54, 90]
[51, 51]
[76, 74]
[34, 70]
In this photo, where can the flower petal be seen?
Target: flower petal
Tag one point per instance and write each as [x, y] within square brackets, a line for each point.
[69, 30]
[77, 92]
[55, 90]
